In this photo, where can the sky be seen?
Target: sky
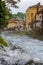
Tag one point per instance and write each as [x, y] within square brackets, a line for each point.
[24, 4]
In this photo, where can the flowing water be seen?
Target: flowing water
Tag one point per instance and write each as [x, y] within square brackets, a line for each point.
[21, 49]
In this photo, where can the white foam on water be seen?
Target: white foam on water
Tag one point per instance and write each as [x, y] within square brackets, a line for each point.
[33, 48]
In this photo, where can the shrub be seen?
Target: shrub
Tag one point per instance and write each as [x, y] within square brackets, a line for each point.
[3, 42]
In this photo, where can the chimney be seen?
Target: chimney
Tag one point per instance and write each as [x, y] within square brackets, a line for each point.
[38, 4]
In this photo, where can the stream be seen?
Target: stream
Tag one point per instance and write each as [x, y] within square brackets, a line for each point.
[21, 49]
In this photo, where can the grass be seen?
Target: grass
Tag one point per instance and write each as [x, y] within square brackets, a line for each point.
[3, 42]
[22, 33]
[32, 35]
[35, 36]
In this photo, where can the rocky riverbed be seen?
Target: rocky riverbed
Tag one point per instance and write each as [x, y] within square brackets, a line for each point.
[21, 49]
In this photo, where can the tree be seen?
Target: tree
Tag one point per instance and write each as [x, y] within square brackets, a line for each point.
[13, 3]
[4, 11]
[19, 15]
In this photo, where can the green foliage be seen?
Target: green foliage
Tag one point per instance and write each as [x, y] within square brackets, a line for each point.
[23, 33]
[32, 35]
[3, 14]
[29, 62]
[3, 42]
[15, 16]
[19, 15]
[35, 36]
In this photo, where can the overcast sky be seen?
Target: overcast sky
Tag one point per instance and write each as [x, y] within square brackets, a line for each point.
[24, 4]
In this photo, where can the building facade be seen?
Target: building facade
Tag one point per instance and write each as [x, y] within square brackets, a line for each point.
[12, 23]
[39, 20]
[31, 13]
[15, 24]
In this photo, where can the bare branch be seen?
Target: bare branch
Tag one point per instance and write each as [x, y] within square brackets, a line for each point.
[13, 3]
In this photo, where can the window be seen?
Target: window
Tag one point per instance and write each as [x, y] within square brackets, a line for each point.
[40, 17]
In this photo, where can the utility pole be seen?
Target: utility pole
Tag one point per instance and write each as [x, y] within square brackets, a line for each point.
[42, 20]
[35, 20]
[32, 20]
[37, 8]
